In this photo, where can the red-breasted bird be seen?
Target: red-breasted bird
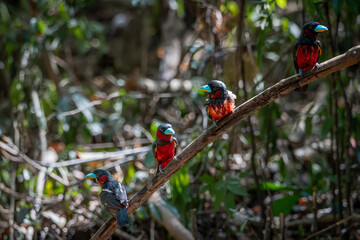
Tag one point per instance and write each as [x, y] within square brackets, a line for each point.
[307, 49]
[165, 146]
[112, 195]
[221, 101]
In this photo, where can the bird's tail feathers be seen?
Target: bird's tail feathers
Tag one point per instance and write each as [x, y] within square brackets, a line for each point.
[122, 217]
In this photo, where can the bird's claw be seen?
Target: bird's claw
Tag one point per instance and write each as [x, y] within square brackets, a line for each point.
[316, 65]
[300, 72]
[175, 158]
[160, 170]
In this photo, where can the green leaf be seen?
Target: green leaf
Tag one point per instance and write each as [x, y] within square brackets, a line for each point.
[232, 181]
[236, 189]
[41, 26]
[180, 8]
[60, 188]
[131, 172]
[285, 204]
[4, 13]
[220, 194]
[275, 187]
[49, 188]
[207, 179]
[281, 3]
[285, 24]
[233, 8]
[229, 203]
[79, 33]
[204, 188]
[326, 127]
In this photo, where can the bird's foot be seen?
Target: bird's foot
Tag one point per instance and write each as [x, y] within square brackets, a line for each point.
[300, 72]
[316, 65]
[160, 170]
[175, 158]
[215, 123]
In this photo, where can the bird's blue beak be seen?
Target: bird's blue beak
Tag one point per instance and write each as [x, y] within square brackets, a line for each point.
[169, 131]
[91, 176]
[320, 28]
[206, 88]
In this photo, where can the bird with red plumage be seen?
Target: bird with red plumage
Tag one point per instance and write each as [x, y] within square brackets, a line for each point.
[221, 101]
[307, 49]
[165, 146]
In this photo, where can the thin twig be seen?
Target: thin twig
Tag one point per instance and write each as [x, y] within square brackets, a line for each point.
[107, 98]
[121, 161]
[12, 204]
[107, 156]
[83, 108]
[41, 121]
[339, 223]
[11, 192]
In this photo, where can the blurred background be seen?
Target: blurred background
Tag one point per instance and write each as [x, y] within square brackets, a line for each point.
[84, 85]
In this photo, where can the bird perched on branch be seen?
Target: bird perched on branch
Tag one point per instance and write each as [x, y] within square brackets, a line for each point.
[112, 195]
[221, 101]
[165, 146]
[307, 49]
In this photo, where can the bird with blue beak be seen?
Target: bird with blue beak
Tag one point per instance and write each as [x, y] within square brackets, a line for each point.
[221, 101]
[112, 196]
[307, 49]
[165, 146]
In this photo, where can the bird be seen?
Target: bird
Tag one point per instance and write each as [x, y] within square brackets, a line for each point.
[221, 101]
[307, 50]
[112, 195]
[165, 146]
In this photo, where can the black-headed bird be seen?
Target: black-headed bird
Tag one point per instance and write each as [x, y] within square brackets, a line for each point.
[165, 146]
[221, 101]
[307, 49]
[112, 195]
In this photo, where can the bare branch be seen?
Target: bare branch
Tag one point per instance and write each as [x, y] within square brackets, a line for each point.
[329, 227]
[283, 87]
[106, 156]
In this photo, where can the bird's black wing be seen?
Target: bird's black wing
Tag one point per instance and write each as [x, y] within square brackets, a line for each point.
[295, 51]
[317, 42]
[115, 200]
[121, 194]
[154, 148]
[176, 145]
[110, 201]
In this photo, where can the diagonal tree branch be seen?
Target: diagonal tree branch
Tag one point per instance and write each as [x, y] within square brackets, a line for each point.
[283, 87]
